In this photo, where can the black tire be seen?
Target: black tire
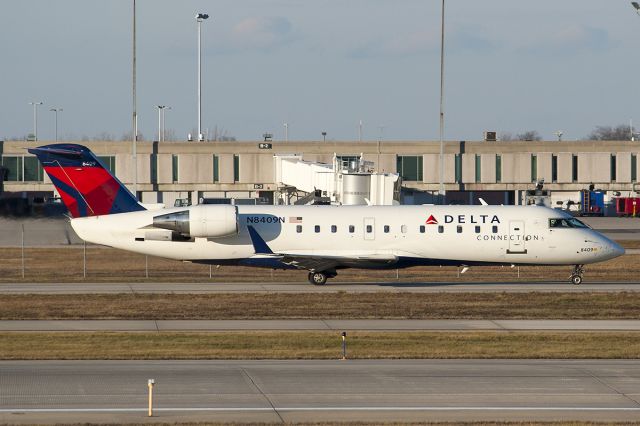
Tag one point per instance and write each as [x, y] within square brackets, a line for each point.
[576, 279]
[317, 278]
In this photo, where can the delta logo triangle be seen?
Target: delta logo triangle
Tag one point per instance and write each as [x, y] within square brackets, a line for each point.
[432, 220]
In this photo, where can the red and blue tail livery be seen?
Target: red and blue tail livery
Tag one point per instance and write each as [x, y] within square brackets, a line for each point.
[85, 185]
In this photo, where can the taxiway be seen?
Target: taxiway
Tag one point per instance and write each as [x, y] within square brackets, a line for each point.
[289, 391]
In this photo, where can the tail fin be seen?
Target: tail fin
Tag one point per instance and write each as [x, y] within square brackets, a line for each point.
[87, 188]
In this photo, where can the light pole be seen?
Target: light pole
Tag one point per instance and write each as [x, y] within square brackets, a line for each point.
[35, 118]
[324, 136]
[56, 111]
[199, 18]
[286, 132]
[134, 126]
[160, 108]
[164, 109]
[441, 190]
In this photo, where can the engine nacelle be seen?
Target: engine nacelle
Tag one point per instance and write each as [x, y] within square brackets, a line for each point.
[204, 221]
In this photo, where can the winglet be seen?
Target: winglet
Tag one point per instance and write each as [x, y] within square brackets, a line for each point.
[259, 245]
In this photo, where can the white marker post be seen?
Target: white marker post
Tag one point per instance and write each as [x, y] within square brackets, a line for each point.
[150, 384]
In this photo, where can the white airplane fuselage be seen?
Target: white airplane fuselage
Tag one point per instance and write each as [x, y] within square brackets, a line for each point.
[399, 235]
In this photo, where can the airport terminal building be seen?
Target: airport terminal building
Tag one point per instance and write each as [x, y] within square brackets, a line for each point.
[499, 172]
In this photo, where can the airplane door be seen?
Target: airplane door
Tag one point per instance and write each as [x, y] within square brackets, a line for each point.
[369, 228]
[516, 237]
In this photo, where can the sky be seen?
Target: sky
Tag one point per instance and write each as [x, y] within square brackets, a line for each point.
[323, 65]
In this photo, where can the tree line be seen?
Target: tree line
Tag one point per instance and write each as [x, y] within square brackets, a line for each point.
[621, 132]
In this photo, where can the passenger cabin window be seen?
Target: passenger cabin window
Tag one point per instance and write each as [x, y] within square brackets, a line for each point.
[317, 228]
[571, 222]
[403, 229]
[422, 229]
[459, 229]
[440, 229]
[299, 229]
[369, 229]
[477, 229]
[352, 229]
[494, 229]
[334, 229]
[386, 229]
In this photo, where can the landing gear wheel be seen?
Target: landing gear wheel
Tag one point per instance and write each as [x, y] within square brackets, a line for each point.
[317, 278]
[576, 274]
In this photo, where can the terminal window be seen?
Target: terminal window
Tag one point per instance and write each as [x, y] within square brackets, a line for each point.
[299, 229]
[13, 164]
[174, 168]
[22, 168]
[440, 229]
[334, 229]
[317, 228]
[386, 229]
[109, 161]
[33, 171]
[410, 167]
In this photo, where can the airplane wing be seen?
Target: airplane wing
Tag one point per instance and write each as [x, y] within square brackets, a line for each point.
[323, 263]
[319, 262]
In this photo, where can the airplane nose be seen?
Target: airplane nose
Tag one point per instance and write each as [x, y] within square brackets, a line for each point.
[617, 249]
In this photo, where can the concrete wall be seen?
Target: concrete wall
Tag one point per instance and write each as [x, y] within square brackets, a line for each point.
[257, 165]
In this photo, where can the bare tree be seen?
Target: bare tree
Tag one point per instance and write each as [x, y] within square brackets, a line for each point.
[530, 135]
[104, 136]
[170, 135]
[621, 132]
[506, 136]
[127, 137]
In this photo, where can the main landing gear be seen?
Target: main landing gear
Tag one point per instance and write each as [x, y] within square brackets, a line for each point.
[576, 274]
[320, 277]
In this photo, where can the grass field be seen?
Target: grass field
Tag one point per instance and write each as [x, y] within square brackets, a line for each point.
[341, 305]
[478, 423]
[319, 345]
[65, 264]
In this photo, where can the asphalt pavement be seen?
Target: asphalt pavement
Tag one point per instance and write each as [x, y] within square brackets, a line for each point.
[315, 325]
[304, 287]
[290, 391]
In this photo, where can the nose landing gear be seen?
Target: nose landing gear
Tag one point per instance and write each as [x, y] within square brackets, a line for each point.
[576, 275]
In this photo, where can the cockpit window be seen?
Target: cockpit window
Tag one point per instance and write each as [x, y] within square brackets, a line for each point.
[571, 222]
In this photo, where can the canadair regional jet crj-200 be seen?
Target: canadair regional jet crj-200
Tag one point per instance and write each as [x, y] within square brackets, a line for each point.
[318, 239]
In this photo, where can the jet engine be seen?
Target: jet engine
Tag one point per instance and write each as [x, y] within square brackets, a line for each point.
[204, 221]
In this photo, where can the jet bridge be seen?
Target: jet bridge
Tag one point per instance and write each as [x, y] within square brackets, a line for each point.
[347, 181]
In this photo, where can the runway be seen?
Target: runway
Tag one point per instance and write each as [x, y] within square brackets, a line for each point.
[315, 325]
[290, 391]
[300, 287]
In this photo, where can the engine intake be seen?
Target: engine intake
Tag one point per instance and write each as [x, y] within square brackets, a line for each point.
[204, 221]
